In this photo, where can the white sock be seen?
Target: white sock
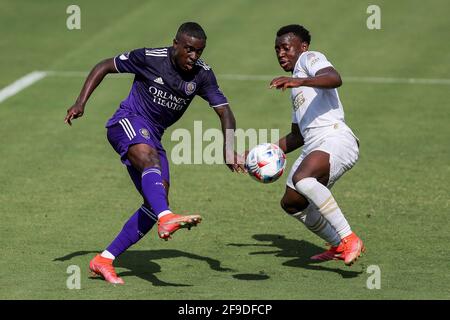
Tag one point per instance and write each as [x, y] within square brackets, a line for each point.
[315, 222]
[322, 198]
[162, 214]
[108, 255]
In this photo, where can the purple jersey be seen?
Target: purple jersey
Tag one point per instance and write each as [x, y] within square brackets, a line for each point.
[160, 93]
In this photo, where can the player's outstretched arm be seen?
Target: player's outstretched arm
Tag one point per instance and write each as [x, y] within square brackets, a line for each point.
[326, 78]
[92, 81]
[233, 161]
[292, 141]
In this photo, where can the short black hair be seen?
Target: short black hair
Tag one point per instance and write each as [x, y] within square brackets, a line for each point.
[192, 29]
[300, 31]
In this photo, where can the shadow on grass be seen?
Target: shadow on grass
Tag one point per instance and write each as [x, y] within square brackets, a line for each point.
[300, 250]
[141, 263]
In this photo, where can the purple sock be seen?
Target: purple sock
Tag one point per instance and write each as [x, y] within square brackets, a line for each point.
[134, 229]
[153, 190]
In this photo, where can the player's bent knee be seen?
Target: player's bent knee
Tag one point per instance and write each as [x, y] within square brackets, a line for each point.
[143, 157]
[298, 176]
[291, 208]
[284, 205]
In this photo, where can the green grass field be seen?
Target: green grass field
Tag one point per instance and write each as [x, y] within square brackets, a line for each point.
[64, 194]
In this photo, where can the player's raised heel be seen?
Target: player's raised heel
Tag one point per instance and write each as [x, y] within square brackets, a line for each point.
[102, 267]
[333, 253]
[169, 223]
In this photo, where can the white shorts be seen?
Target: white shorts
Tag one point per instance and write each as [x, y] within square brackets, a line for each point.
[342, 146]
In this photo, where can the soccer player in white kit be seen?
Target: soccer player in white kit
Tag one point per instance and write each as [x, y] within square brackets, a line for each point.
[329, 146]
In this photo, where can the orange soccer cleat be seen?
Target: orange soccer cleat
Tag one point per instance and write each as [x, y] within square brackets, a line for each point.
[334, 253]
[353, 248]
[103, 267]
[171, 222]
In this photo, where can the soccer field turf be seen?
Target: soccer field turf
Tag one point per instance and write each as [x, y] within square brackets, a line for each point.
[64, 194]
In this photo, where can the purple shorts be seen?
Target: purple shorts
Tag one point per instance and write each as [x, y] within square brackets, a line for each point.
[134, 130]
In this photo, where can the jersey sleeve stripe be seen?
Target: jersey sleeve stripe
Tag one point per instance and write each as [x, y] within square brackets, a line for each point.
[202, 64]
[219, 105]
[156, 52]
[115, 65]
[156, 55]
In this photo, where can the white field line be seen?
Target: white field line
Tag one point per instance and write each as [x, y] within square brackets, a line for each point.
[383, 80]
[398, 80]
[21, 84]
[247, 77]
[35, 76]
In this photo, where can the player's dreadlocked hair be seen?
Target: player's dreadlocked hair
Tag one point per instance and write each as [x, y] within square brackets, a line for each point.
[192, 29]
[296, 29]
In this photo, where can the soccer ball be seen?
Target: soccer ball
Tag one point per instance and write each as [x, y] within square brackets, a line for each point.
[265, 162]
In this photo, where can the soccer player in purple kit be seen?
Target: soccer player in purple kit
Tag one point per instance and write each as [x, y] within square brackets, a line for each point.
[165, 83]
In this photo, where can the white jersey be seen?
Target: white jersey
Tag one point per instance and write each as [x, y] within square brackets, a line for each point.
[315, 110]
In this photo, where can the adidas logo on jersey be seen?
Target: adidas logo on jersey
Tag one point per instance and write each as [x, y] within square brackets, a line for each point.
[159, 80]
